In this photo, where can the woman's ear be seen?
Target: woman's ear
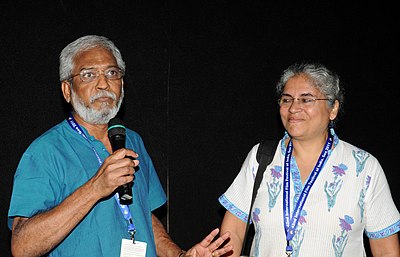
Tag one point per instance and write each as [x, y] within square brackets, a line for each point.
[334, 110]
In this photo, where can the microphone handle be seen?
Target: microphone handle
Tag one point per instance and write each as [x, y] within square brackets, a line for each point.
[124, 191]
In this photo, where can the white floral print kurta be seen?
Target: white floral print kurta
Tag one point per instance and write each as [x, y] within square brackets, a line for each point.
[350, 197]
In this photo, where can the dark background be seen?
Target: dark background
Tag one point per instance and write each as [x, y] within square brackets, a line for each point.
[200, 84]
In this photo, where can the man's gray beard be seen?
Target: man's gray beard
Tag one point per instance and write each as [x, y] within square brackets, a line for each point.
[92, 116]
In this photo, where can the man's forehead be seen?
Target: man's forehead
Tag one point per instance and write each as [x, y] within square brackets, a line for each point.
[97, 57]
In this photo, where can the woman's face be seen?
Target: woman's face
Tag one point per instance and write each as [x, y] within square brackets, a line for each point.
[302, 116]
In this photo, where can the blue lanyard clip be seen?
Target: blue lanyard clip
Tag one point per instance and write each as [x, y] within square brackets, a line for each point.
[132, 233]
[289, 249]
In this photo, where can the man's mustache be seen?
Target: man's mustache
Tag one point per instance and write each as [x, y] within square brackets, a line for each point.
[103, 94]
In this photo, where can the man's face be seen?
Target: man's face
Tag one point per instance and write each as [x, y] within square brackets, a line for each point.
[96, 101]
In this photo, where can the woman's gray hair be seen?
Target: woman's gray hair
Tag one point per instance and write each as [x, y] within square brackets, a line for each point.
[84, 43]
[325, 80]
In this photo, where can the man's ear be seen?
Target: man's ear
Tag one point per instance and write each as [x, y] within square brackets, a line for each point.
[66, 90]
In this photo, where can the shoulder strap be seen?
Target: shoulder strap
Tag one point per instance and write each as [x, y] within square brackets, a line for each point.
[265, 153]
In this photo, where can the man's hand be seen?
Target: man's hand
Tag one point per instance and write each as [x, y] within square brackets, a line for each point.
[115, 171]
[209, 248]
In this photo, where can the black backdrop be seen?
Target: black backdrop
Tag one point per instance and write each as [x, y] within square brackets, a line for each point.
[200, 84]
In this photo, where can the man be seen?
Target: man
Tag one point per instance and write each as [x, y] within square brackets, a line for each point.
[64, 201]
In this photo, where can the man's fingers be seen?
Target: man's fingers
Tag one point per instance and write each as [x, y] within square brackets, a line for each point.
[209, 238]
[214, 245]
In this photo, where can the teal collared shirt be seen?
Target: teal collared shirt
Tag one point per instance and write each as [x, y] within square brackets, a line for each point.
[60, 161]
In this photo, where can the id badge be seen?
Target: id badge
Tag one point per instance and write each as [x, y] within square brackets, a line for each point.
[130, 249]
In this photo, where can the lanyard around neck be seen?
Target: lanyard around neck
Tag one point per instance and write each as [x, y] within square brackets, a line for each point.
[124, 208]
[290, 224]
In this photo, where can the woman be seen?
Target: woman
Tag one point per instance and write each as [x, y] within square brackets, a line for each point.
[320, 194]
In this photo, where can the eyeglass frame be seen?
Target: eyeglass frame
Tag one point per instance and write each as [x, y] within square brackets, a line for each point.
[302, 97]
[97, 74]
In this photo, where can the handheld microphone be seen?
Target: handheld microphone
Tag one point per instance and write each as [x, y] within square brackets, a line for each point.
[117, 135]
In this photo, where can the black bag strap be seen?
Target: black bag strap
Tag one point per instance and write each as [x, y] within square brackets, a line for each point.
[265, 153]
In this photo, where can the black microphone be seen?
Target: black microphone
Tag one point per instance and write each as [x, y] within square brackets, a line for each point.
[117, 135]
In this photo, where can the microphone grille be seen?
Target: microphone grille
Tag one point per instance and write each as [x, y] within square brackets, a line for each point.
[116, 126]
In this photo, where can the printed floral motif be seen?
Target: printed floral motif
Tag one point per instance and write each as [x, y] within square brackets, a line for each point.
[274, 186]
[256, 215]
[296, 179]
[361, 157]
[298, 238]
[333, 188]
[363, 192]
[297, 241]
[302, 218]
[339, 242]
[253, 172]
[258, 232]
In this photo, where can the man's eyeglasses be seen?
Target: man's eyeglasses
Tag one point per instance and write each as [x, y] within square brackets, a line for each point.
[303, 101]
[89, 75]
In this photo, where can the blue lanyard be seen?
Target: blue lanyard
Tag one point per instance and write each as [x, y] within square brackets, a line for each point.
[291, 223]
[124, 208]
